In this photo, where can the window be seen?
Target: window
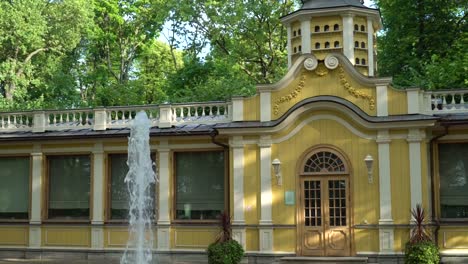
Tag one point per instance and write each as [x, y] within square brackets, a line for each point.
[294, 33]
[363, 61]
[200, 185]
[317, 45]
[295, 50]
[453, 170]
[356, 27]
[356, 44]
[118, 192]
[337, 44]
[363, 28]
[326, 28]
[14, 188]
[299, 32]
[357, 60]
[327, 45]
[363, 45]
[336, 27]
[69, 187]
[300, 48]
[317, 29]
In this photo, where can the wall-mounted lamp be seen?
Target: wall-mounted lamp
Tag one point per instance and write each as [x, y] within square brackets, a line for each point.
[277, 169]
[369, 164]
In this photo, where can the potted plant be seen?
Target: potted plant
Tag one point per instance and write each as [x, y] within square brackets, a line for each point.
[420, 249]
[225, 250]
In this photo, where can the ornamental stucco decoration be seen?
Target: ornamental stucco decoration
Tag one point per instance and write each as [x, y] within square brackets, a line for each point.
[353, 91]
[290, 96]
[331, 62]
[310, 64]
[321, 70]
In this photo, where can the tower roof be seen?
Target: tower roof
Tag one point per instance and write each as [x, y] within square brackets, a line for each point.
[316, 4]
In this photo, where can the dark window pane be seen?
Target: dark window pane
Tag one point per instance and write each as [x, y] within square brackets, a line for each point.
[69, 186]
[199, 184]
[14, 187]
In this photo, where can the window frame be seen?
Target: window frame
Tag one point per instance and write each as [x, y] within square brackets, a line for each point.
[174, 186]
[437, 183]
[26, 220]
[108, 180]
[46, 187]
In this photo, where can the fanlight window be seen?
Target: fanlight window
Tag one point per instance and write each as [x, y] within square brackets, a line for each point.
[324, 162]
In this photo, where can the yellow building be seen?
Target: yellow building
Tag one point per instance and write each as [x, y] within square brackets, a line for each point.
[327, 162]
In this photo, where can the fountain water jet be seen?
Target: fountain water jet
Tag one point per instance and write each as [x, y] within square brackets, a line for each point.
[139, 180]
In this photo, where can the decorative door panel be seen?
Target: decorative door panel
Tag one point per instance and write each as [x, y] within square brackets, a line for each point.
[312, 212]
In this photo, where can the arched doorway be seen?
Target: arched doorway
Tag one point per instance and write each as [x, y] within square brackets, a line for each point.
[324, 203]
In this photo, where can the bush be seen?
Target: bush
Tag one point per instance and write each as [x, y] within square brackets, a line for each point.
[421, 253]
[228, 252]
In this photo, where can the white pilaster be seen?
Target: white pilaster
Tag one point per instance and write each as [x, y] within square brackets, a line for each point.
[382, 100]
[97, 237]
[348, 37]
[305, 36]
[289, 47]
[98, 185]
[237, 109]
[265, 106]
[370, 47]
[35, 236]
[36, 186]
[412, 96]
[414, 140]
[386, 233]
[164, 196]
[266, 229]
[238, 179]
[239, 234]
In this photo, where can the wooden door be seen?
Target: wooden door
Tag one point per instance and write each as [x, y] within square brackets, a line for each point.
[324, 216]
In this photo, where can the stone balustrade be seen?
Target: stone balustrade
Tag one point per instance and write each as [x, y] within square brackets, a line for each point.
[163, 116]
[446, 101]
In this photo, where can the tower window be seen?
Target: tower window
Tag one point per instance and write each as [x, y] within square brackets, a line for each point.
[337, 44]
[326, 28]
[357, 61]
[295, 50]
[356, 44]
[317, 45]
[363, 28]
[356, 27]
[317, 29]
[363, 45]
[299, 32]
[327, 45]
[363, 61]
[300, 48]
[294, 33]
[336, 27]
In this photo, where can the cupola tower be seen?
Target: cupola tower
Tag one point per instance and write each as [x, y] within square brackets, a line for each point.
[324, 26]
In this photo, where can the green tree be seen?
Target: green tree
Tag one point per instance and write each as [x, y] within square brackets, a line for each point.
[424, 42]
[34, 36]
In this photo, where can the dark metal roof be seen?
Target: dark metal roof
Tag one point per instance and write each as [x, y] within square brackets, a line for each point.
[317, 4]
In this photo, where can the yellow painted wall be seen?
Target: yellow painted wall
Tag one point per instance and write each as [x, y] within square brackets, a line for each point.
[284, 239]
[17, 235]
[397, 102]
[117, 237]
[326, 20]
[366, 240]
[252, 108]
[400, 181]
[309, 84]
[453, 238]
[251, 241]
[401, 236]
[66, 236]
[193, 238]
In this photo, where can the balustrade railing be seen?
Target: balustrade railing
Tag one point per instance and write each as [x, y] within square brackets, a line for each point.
[446, 101]
[162, 116]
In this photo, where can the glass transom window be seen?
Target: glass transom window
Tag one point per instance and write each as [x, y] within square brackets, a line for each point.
[200, 180]
[14, 188]
[453, 171]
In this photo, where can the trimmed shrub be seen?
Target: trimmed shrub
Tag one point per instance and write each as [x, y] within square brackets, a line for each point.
[228, 252]
[421, 253]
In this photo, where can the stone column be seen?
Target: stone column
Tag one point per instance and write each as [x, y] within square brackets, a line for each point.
[414, 139]
[305, 35]
[238, 189]
[36, 197]
[386, 233]
[164, 220]
[266, 223]
[97, 222]
[348, 37]
[370, 47]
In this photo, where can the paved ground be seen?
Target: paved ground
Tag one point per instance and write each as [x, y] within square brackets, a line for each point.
[42, 261]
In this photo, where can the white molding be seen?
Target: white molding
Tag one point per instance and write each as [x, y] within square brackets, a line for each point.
[266, 197]
[98, 184]
[305, 36]
[164, 178]
[454, 137]
[382, 100]
[237, 109]
[163, 238]
[97, 237]
[386, 240]
[412, 97]
[370, 47]
[67, 150]
[384, 175]
[289, 45]
[311, 119]
[239, 234]
[414, 141]
[238, 180]
[36, 187]
[265, 106]
[266, 239]
[35, 236]
[348, 37]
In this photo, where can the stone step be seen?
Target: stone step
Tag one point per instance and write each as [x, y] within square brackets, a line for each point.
[323, 260]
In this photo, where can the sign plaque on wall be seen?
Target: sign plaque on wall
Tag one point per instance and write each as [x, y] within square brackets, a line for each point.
[289, 198]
